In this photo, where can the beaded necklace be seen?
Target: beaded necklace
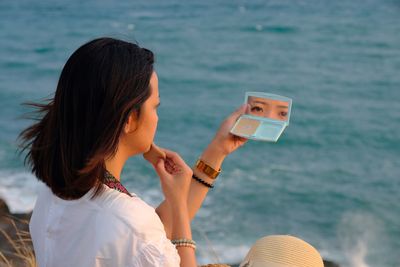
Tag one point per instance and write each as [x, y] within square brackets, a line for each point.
[113, 183]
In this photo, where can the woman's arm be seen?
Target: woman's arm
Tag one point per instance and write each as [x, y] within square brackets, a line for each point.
[181, 229]
[197, 192]
[222, 145]
[175, 184]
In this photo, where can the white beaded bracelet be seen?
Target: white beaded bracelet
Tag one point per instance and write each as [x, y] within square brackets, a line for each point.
[185, 245]
[184, 242]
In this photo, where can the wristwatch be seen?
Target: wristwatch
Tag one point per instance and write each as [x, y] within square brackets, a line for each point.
[207, 169]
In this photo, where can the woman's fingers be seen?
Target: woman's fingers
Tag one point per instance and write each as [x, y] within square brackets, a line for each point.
[173, 163]
[226, 125]
[170, 153]
[170, 166]
[174, 177]
[232, 118]
[174, 157]
[160, 168]
[238, 112]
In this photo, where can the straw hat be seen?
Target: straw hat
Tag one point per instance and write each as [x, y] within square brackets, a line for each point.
[282, 251]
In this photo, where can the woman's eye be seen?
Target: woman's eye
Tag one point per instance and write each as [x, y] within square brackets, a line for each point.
[283, 114]
[256, 109]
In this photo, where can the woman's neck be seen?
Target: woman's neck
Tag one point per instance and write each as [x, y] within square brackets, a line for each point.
[116, 164]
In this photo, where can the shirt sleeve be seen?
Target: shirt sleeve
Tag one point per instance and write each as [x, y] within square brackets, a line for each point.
[158, 254]
[149, 245]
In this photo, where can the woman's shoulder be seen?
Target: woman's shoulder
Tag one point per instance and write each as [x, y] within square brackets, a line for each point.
[133, 212]
[111, 209]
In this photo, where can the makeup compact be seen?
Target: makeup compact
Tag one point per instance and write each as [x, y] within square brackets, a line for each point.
[266, 118]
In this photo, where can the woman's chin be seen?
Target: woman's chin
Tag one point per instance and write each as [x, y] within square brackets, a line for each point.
[141, 149]
[147, 149]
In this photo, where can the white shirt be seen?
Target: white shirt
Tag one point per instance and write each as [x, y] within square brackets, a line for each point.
[111, 230]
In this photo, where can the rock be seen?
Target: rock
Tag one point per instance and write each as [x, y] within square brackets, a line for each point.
[328, 263]
[3, 207]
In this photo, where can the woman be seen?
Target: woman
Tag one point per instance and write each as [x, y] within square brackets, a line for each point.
[103, 112]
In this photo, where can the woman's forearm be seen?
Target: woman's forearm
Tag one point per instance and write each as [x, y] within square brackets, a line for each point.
[197, 193]
[181, 229]
[222, 144]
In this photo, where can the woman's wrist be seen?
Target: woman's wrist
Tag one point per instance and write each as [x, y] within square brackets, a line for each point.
[178, 205]
[213, 155]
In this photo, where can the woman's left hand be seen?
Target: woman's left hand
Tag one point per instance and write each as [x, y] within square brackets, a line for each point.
[224, 141]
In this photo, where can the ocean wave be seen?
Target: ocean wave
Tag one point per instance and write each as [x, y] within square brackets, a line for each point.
[277, 29]
[19, 189]
[360, 235]
[208, 253]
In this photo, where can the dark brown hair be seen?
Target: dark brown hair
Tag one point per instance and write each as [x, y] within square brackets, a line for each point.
[100, 85]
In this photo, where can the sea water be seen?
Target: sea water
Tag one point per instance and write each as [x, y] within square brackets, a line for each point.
[333, 176]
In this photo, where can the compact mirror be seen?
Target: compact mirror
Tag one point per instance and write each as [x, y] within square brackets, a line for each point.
[266, 118]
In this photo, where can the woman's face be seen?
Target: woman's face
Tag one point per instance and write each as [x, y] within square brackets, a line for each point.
[140, 132]
[269, 108]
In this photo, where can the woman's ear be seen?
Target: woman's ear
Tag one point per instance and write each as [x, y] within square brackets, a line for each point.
[132, 123]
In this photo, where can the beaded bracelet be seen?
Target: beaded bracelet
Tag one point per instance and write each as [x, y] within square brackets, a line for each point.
[184, 242]
[186, 245]
[202, 181]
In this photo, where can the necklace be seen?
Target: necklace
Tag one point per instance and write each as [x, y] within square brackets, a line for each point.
[113, 183]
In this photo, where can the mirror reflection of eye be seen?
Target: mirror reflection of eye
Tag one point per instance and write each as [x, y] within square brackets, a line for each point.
[283, 114]
[256, 109]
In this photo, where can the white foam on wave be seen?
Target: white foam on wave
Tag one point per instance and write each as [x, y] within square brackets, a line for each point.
[220, 253]
[19, 189]
[358, 232]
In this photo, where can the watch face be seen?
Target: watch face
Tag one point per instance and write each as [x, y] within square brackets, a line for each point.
[245, 127]
[208, 170]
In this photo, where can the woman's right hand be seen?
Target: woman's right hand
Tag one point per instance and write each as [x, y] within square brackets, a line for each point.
[175, 177]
